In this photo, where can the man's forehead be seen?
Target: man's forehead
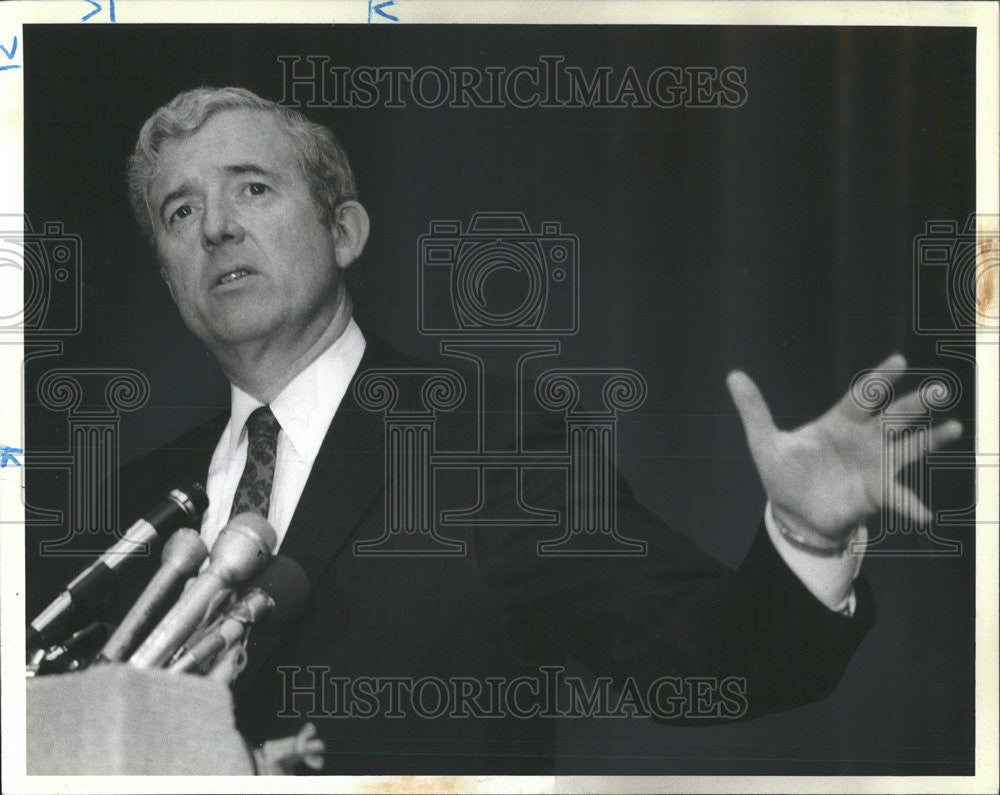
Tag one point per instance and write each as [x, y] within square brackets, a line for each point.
[228, 138]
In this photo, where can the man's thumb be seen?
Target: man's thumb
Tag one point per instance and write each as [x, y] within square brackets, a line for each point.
[756, 417]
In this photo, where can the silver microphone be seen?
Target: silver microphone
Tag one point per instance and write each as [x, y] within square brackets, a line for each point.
[277, 596]
[183, 554]
[242, 549]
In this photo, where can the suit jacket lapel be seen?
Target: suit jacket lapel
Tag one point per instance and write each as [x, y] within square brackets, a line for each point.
[346, 477]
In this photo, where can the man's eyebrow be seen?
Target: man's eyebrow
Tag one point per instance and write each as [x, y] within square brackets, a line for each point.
[237, 169]
[252, 168]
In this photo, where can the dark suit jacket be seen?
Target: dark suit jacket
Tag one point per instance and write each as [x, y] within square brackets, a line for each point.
[499, 610]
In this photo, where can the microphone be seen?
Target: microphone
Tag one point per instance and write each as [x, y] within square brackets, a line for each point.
[182, 507]
[183, 554]
[242, 549]
[277, 595]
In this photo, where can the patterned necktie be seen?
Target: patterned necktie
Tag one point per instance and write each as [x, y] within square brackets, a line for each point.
[254, 490]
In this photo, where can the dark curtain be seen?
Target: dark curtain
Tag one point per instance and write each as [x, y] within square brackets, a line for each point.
[777, 237]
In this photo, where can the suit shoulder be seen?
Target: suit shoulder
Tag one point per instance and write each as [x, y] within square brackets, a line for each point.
[184, 459]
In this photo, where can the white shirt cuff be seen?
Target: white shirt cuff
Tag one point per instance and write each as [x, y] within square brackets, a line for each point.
[829, 579]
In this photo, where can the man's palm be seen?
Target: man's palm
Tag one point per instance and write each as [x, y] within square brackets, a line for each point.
[826, 477]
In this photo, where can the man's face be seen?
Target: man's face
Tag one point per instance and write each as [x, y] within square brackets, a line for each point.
[239, 236]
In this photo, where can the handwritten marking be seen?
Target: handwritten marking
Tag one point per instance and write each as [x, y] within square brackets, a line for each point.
[97, 10]
[7, 456]
[378, 10]
[10, 56]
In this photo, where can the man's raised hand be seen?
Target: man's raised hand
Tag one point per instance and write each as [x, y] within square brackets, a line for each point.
[825, 478]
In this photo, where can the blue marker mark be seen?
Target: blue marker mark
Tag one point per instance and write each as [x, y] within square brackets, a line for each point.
[7, 456]
[97, 10]
[10, 56]
[378, 10]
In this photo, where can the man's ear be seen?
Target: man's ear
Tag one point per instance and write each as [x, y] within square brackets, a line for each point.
[350, 230]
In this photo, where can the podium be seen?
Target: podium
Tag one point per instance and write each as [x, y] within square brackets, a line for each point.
[118, 720]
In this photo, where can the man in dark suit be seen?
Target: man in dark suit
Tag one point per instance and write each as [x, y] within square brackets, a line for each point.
[253, 215]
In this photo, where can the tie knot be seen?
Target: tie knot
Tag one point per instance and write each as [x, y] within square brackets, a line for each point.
[262, 428]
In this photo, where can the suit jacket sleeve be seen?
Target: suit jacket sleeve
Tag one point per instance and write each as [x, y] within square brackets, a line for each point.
[674, 612]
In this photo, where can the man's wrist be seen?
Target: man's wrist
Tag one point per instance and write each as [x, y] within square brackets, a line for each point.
[828, 578]
[810, 542]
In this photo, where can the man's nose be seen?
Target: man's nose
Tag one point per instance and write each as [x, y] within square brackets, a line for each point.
[219, 225]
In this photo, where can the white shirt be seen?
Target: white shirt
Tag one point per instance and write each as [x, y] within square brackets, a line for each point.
[305, 409]
[830, 580]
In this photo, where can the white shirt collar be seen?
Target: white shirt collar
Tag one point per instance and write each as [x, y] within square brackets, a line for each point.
[305, 407]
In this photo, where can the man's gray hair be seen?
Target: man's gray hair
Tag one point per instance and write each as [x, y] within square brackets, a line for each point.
[320, 156]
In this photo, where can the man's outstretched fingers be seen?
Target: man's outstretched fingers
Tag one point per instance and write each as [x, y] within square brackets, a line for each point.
[754, 413]
[946, 433]
[910, 403]
[907, 504]
[894, 366]
[891, 370]
[909, 449]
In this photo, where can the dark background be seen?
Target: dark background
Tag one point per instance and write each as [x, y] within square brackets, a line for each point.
[776, 237]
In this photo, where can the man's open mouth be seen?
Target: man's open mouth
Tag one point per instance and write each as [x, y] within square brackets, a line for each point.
[232, 276]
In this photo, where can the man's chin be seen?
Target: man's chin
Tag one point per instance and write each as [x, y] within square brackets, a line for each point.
[245, 329]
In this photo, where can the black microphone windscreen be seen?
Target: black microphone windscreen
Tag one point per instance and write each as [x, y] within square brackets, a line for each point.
[284, 580]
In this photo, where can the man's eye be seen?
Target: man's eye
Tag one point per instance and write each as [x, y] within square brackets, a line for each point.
[257, 188]
[181, 212]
